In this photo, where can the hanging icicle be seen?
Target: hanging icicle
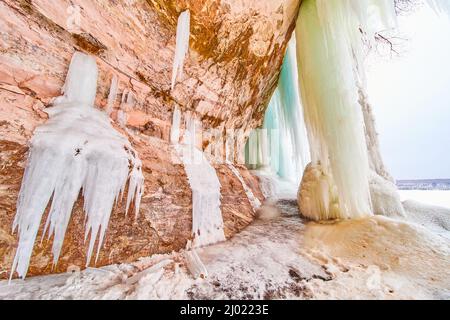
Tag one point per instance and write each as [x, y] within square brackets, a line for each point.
[182, 45]
[330, 55]
[77, 149]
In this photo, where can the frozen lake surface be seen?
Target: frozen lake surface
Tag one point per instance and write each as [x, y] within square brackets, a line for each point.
[439, 198]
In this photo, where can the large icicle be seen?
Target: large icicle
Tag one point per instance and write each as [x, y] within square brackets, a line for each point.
[207, 221]
[112, 94]
[330, 56]
[76, 149]
[182, 45]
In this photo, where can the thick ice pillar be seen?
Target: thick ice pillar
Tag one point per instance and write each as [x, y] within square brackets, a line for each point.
[330, 53]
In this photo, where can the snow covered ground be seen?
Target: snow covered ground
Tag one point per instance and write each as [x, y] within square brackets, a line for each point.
[279, 257]
[439, 198]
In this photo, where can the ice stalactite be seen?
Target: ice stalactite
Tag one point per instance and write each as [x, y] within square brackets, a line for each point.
[207, 220]
[112, 94]
[330, 56]
[282, 143]
[182, 45]
[76, 149]
[175, 129]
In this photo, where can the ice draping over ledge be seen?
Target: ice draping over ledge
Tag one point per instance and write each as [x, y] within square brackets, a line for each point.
[330, 56]
[76, 149]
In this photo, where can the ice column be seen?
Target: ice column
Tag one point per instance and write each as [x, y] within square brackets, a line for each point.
[330, 57]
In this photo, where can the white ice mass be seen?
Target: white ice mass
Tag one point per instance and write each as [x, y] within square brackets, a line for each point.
[182, 45]
[77, 149]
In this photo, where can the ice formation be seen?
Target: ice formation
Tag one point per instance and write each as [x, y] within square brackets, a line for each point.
[282, 143]
[254, 201]
[112, 94]
[330, 55]
[383, 192]
[195, 265]
[182, 45]
[175, 129]
[207, 221]
[76, 149]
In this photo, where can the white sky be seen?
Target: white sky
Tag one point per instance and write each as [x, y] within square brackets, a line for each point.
[411, 100]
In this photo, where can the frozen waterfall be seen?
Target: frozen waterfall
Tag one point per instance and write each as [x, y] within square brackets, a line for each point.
[330, 57]
[282, 144]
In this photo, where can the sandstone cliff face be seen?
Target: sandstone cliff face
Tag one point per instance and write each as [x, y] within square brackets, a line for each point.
[236, 51]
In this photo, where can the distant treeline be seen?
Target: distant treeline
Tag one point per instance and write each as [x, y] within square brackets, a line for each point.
[427, 184]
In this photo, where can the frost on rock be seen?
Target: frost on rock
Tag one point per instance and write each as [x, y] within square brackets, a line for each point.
[77, 149]
[182, 45]
[330, 55]
[207, 220]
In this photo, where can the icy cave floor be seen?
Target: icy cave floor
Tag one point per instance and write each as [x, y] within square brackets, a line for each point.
[281, 257]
